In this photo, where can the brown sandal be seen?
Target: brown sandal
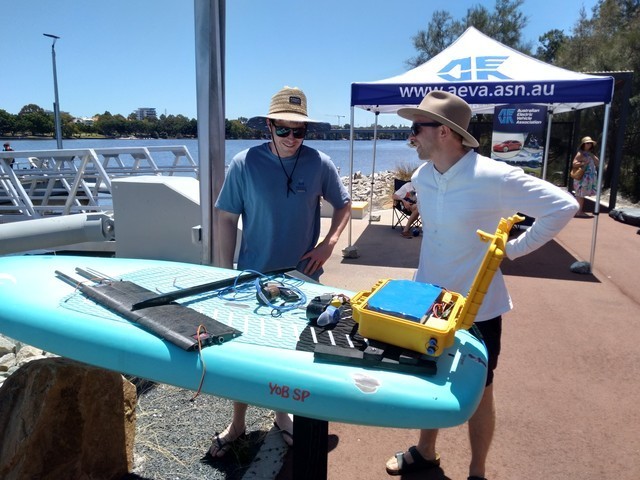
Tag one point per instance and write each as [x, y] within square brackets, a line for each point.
[221, 447]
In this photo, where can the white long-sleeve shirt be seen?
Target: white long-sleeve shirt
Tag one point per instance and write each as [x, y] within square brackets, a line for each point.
[474, 194]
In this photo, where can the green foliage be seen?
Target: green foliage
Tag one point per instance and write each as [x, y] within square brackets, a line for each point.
[550, 43]
[236, 129]
[34, 120]
[31, 108]
[606, 39]
[504, 24]
[440, 33]
[7, 123]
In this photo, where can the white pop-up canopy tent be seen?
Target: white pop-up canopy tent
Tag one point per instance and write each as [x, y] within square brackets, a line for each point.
[487, 73]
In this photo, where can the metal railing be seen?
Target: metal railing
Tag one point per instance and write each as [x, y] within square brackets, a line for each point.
[41, 183]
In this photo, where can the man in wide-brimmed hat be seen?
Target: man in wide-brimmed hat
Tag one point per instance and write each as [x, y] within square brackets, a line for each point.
[275, 188]
[459, 192]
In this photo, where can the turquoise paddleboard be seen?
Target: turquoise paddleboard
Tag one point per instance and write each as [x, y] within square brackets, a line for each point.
[264, 365]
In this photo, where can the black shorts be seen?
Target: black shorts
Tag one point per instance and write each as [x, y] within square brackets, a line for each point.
[491, 331]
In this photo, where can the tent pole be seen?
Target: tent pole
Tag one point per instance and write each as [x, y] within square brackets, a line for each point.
[596, 208]
[373, 168]
[546, 144]
[350, 170]
[350, 251]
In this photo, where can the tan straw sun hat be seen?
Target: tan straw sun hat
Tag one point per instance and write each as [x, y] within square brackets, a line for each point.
[587, 140]
[289, 104]
[447, 109]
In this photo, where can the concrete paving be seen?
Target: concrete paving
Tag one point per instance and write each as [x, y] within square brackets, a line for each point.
[568, 382]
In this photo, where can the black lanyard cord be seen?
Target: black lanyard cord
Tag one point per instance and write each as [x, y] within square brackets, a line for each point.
[289, 177]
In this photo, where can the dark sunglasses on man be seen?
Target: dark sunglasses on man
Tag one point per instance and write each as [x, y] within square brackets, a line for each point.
[283, 132]
[415, 126]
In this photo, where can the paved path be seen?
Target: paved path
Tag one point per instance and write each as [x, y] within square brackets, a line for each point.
[568, 385]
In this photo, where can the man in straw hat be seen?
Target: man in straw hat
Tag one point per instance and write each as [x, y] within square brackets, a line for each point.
[276, 188]
[459, 192]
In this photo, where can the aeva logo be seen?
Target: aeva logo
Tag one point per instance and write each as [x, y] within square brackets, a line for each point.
[463, 69]
[506, 116]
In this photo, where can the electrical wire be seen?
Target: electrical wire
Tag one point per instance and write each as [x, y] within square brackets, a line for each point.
[252, 290]
[277, 310]
[242, 291]
[200, 329]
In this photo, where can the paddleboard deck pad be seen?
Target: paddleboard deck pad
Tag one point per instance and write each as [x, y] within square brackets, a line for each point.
[271, 364]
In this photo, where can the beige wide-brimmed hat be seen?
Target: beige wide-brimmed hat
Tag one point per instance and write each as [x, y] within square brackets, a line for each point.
[289, 104]
[587, 140]
[447, 109]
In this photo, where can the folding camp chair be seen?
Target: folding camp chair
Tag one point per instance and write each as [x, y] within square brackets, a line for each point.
[400, 214]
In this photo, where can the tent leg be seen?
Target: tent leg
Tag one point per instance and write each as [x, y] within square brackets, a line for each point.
[350, 251]
[587, 267]
[546, 146]
[596, 209]
[373, 167]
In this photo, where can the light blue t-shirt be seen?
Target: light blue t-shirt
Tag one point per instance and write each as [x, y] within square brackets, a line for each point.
[278, 229]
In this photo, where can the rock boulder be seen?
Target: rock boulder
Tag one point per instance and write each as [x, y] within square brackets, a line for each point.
[63, 419]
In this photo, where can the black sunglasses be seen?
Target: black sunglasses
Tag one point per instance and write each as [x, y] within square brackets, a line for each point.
[415, 126]
[299, 132]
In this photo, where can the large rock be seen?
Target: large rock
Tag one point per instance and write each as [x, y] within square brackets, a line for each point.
[63, 419]
[362, 188]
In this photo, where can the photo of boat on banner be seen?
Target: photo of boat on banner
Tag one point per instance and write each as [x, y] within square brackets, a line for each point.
[518, 131]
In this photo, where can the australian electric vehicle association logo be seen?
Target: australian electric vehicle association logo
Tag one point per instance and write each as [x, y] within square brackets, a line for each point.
[506, 116]
[473, 68]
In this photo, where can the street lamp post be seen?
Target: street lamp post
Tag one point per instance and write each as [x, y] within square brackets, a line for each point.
[56, 104]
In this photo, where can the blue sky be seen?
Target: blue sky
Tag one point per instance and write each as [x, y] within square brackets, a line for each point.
[119, 55]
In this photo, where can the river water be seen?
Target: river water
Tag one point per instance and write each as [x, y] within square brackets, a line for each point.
[390, 154]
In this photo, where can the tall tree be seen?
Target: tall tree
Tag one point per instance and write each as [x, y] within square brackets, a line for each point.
[550, 43]
[31, 108]
[7, 122]
[507, 22]
[608, 41]
[34, 120]
[504, 24]
[576, 53]
[440, 33]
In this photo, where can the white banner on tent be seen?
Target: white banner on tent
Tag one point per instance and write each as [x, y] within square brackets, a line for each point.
[485, 73]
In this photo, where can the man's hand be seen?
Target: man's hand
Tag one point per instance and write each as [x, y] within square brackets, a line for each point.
[321, 253]
[317, 257]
